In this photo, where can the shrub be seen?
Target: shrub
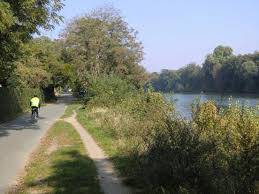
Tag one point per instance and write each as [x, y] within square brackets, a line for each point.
[214, 152]
[107, 90]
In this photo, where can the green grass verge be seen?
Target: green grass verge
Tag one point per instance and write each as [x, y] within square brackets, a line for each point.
[104, 138]
[108, 142]
[70, 109]
[60, 165]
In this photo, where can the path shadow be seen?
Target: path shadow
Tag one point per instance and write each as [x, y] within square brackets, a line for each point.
[21, 123]
[74, 175]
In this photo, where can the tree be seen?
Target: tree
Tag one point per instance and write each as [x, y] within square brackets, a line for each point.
[212, 66]
[42, 66]
[102, 43]
[185, 79]
[228, 76]
[50, 56]
[19, 20]
[222, 52]
[166, 81]
[190, 77]
[248, 73]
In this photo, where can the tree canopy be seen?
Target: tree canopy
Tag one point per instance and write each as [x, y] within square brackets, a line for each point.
[42, 65]
[98, 44]
[102, 43]
[19, 20]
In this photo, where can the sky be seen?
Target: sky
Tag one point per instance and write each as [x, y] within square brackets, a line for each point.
[177, 32]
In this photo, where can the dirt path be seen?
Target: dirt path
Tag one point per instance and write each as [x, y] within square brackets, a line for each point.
[109, 181]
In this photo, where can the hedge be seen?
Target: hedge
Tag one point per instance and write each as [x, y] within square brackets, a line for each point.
[15, 100]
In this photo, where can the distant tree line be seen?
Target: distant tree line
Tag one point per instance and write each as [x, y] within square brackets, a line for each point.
[222, 71]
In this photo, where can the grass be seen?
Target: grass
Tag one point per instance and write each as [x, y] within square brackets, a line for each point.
[70, 109]
[60, 165]
[109, 143]
[103, 137]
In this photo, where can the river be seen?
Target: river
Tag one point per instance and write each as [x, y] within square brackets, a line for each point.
[183, 101]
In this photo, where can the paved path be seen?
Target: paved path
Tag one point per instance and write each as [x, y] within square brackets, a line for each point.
[109, 181]
[19, 137]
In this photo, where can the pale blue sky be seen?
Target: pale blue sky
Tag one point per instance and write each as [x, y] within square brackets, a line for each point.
[177, 32]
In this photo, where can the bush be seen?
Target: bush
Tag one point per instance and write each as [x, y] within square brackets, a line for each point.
[215, 152]
[15, 101]
[108, 90]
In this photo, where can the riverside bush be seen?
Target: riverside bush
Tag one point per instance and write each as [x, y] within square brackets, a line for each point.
[107, 91]
[15, 100]
[214, 152]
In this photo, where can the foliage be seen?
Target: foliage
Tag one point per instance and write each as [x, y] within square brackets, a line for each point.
[185, 79]
[15, 101]
[19, 20]
[42, 66]
[102, 43]
[215, 151]
[99, 54]
[222, 71]
[108, 90]
[35, 77]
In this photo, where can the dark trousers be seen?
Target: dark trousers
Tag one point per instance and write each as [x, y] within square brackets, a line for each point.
[36, 109]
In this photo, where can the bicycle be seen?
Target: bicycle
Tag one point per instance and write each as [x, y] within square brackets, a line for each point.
[34, 114]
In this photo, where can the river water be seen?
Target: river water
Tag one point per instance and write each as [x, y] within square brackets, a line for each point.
[183, 102]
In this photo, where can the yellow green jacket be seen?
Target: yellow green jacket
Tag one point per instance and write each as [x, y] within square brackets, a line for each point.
[35, 102]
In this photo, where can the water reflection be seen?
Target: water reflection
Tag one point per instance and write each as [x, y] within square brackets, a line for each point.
[183, 101]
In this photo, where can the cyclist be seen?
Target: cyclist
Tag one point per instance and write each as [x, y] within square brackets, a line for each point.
[35, 105]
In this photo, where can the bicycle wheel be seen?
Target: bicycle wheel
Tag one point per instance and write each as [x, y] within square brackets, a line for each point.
[33, 116]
